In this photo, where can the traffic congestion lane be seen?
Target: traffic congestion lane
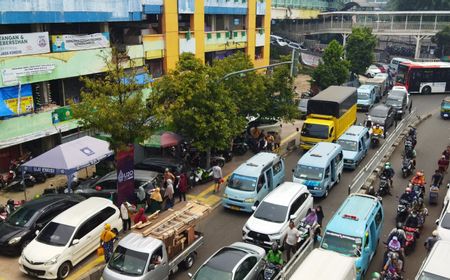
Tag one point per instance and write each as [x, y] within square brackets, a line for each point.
[432, 139]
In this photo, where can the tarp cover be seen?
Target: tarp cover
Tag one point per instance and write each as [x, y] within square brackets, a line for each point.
[70, 157]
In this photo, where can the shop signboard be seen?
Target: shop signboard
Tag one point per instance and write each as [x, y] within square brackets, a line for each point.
[17, 44]
[63, 43]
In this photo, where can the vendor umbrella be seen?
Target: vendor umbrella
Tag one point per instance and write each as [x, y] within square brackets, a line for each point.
[162, 139]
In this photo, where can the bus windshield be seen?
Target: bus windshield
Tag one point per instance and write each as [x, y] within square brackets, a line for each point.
[401, 74]
[315, 130]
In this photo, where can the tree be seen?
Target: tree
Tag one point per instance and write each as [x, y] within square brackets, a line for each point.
[334, 70]
[194, 102]
[114, 104]
[442, 40]
[419, 5]
[360, 49]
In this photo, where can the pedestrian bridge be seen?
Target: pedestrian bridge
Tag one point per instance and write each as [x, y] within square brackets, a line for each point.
[383, 23]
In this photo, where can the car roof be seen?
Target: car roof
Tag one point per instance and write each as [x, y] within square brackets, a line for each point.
[79, 213]
[437, 259]
[397, 93]
[366, 87]
[138, 174]
[137, 242]
[357, 205]
[47, 200]
[353, 132]
[256, 164]
[285, 193]
[317, 156]
[227, 258]
[379, 107]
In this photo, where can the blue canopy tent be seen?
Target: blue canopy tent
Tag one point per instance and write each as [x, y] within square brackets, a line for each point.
[70, 157]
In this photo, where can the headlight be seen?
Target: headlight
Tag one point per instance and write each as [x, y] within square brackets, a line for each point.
[52, 260]
[14, 240]
[249, 200]
[225, 195]
[316, 188]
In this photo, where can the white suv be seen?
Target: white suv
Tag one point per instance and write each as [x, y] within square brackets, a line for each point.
[69, 238]
[443, 223]
[270, 220]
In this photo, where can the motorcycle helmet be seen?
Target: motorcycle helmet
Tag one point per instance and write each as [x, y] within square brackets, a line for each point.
[394, 244]
[408, 190]
[375, 276]
[399, 226]
[420, 201]
[274, 247]
[414, 214]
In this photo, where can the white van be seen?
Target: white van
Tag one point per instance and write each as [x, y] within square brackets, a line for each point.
[435, 266]
[270, 221]
[338, 266]
[69, 238]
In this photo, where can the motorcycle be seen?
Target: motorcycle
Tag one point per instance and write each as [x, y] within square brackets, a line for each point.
[384, 187]
[3, 213]
[17, 183]
[407, 167]
[390, 275]
[418, 190]
[199, 176]
[305, 232]
[402, 212]
[411, 237]
[239, 148]
[217, 159]
[270, 271]
[375, 140]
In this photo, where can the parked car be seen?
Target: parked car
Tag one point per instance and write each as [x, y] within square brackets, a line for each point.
[69, 238]
[237, 261]
[107, 185]
[159, 164]
[383, 115]
[372, 70]
[443, 223]
[382, 66]
[269, 125]
[20, 227]
[269, 223]
[302, 107]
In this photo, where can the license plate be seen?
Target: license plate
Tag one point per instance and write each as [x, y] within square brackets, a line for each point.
[235, 208]
[446, 115]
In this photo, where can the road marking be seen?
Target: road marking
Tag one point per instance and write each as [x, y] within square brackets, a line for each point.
[86, 268]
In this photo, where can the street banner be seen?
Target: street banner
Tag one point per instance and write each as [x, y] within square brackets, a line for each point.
[9, 98]
[11, 75]
[24, 44]
[125, 175]
[63, 43]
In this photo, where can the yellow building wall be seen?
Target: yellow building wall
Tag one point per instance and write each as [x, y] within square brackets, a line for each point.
[199, 29]
[267, 24]
[170, 31]
[251, 29]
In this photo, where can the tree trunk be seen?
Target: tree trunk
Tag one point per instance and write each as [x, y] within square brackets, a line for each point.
[208, 158]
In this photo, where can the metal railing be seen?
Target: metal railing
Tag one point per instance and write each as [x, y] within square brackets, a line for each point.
[296, 260]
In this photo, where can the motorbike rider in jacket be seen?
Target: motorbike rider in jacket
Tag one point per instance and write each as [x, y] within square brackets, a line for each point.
[389, 172]
[275, 256]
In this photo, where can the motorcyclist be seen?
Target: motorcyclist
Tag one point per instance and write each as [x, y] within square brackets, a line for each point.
[375, 276]
[275, 256]
[393, 266]
[377, 130]
[407, 196]
[412, 221]
[368, 123]
[436, 179]
[311, 217]
[419, 178]
[409, 159]
[421, 210]
[389, 172]
[399, 233]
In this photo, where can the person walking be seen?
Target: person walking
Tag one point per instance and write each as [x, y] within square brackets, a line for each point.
[106, 241]
[182, 187]
[168, 175]
[217, 175]
[290, 240]
[429, 243]
[125, 216]
[168, 194]
[277, 140]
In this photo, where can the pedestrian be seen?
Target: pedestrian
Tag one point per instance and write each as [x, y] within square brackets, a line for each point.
[446, 153]
[141, 197]
[182, 186]
[277, 140]
[320, 215]
[429, 243]
[290, 240]
[168, 194]
[154, 200]
[168, 175]
[125, 216]
[140, 216]
[106, 241]
[217, 175]
[270, 142]
[443, 164]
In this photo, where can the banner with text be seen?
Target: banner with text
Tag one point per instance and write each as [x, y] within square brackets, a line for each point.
[63, 43]
[24, 43]
[125, 175]
[9, 100]
[12, 75]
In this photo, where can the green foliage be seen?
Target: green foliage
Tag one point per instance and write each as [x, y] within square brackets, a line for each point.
[113, 106]
[419, 5]
[360, 49]
[334, 70]
[442, 40]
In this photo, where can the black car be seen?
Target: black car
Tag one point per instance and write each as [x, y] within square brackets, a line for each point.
[159, 164]
[399, 102]
[21, 226]
[383, 115]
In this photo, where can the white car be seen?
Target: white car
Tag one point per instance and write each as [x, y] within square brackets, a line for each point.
[296, 46]
[279, 40]
[443, 223]
[372, 70]
[69, 238]
[382, 75]
[270, 221]
[404, 91]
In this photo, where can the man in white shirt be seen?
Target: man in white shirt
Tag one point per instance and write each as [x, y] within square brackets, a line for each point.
[290, 240]
[126, 221]
[217, 175]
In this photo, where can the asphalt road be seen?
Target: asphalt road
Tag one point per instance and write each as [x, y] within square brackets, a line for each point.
[223, 227]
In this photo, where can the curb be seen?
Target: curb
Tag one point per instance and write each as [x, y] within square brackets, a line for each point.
[94, 274]
[369, 182]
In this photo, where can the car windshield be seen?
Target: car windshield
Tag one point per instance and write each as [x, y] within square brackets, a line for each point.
[341, 243]
[392, 101]
[348, 145]
[378, 113]
[271, 212]
[315, 131]
[211, 273]
[242, 183]
[425, 275]
[363, 95]
[445, 223]
[129, 262]
[55, 234]
[22, 217]
[308, 172]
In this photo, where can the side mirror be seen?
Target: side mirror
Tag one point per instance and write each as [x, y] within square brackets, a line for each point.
[437, 222]
[190, 275]
[75, 241]
[254, 208]
[151, 267]
[293, 217]
[39, 226]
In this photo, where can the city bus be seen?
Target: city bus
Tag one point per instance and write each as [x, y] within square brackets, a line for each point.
[424, 77]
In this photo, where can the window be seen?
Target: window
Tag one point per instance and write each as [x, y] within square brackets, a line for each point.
[261, 182]
[327, 172]
[48, 215]
[298, 203]
[378, 218]
[277, 168]
[94, 222]
[107, 185]
[366, 245]
[157, 256]
[105, 214]
[245, 268]
[338, 158]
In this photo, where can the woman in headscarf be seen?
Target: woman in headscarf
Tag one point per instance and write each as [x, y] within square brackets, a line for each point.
[106, 241]
[311, 217]
[141, 195]
[154, 200]
[140, 216]
[168, 194]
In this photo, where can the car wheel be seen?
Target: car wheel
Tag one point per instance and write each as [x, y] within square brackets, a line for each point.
[189, 261]
[326, 193]
[64, 270]
[426, 90]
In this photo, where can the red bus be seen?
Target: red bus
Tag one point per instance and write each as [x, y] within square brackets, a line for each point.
[424, 77]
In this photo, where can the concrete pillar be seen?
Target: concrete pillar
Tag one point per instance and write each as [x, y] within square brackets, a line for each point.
[344, 39]
[251, 29]
[170, 31]
[198, 26]
[267, 26]
[417, 53]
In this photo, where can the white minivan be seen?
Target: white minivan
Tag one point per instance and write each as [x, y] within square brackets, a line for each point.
[435, 266]
[270, 221]
[69, 238]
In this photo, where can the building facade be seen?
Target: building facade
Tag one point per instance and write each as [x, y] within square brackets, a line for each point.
[47, 45]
